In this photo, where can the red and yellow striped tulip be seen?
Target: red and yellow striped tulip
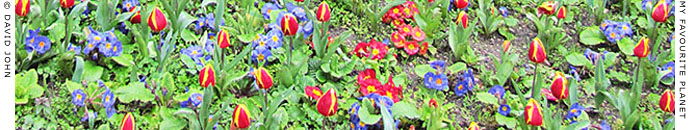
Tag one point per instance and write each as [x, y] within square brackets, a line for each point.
[66, 3]
[328, 103]
[289, 25]
[462, 18]
[506, 45]
[323, 12]
[223, 39]
[547, 8]
[473, 126]
[128, 122]
[562, 12]
[313, 92]
[241, 117]
[157, 21]
[536, 51]
[22, 7]
[660, 11]
[559, 86]
[642, 48]
[263, 79]
[207, 76]
[461, 4]
[533, 115]
[136, 17]
[667, 102]
[433, 103]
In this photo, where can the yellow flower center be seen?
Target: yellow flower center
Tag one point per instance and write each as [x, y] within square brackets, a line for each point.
[107, 45]
[194, 52]
[460, 87]
[32, 40]
[107, 98]
[573, 111]
[260, 57]
[198, 98]
[375, 52]
[371, 88]
[389, 94]
[114, 48]
[439, 81]
[411, 46]
[201, 23]
[41, 44]
[97, 38]
[79, 96]
[418, 34]
[129, 5]
[505, 108]
[396, 10]
[262, 43]
[670, 68]
[90, 45]
[275, 38]
[406, 29]
[613, 35]
[317, 93]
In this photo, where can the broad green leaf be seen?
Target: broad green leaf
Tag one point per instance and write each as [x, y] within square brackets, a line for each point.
[172, 124]
[124, 60]
[405, 109]
[626, 46]
[487, 98]
[455, 68]
[367, 117]
[92, 72]
[134, 91]
[591, 36]
[421, 70]
[509, 122]
[577, 59]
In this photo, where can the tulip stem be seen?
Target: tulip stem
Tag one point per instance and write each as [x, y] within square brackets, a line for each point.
[534, 80]
[637, 73]
[325, 120]
[265, 105]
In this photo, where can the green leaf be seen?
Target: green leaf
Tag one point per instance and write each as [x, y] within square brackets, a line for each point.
[509, 122]
[511, 21]
[92, 72]
[172, 124]
[591, 36]
[421, 70]
[78, 69]
[487, 98]
[367, 117]
[134, 91]
[455, 68]
[626, 46]
[124, 60]
[405, 109]
[577, 59]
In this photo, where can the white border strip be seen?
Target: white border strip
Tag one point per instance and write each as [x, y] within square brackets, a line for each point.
[7, 63]
[681, 60]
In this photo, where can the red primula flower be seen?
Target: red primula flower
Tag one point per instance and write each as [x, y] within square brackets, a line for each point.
[327, 105]
[365, 75]
[157, 21]
[405, 30]
[395, 12]
[378, 50]
[370, 86]
[313, 92]
[398, 22]
[391, 90]
[361, 49]
[411, 47]
[423, 48]
[398, 40]
[418, 34]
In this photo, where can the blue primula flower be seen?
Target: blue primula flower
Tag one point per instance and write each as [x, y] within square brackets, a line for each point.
[261, 41]
[574, 112]
[669, 66]
[196, 99]
[438, 64]
[604, 126]
[461, 88]
[573, 122]
[200, 23]
[110, 48]
[89, 116]
[299, 12]
[274, 38]
[504, 11]
[497, 91]
[267, 9]
[128, 4]
[78, 97]
[74, 48]
[211, 21]
[108, 98]
[94, 39]
[307, 29]
[613, 35]
[436, 81]
[625, 29]
[37, 43]
[469, 78]
[109, 111]
[504, 110]
[260, 54]
[195, 52]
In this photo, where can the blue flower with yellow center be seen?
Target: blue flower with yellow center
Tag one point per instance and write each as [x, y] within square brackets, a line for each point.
[438, 64]
[78, 97]
[574, 112]
[109, 111]
[504, 11]
[110, 48]
[262, 41]
[37, 43]
[307, 29]
[128, 4]
[196, 99]
[504, 110]
[267, 9]
[195, 52]
[669, 66]
[200, 23]
[260, 54]
[497, 91]
[108, 98]
[461, 88]
[74, 48]
[274, 39]
[436, 81]
[299, 12]
[94, 39]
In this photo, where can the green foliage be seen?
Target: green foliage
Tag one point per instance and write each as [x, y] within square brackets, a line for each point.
[27, 87]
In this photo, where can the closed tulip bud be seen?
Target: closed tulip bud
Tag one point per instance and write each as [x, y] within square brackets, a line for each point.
[313, 92]
[667, 102]
[323, 12]
[558, 87]
[157, 21]
[328, 103]
[223, 39]
[473, 126]
[462, 18]
[642, 48]
[536, 51]
[461, 4]
[22, 7]
[207, 76]
[533, 115]
[660, 11]
[66, 3]
[240, 117]
[562, 12]
[128, 122]
[289, 25]
[506, 45]
[263, 79]
[433, 103]
[547, 8]
[136, 17]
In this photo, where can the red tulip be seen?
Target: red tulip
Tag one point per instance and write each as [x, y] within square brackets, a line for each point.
[299, 0]
[328, 103]
[642, 48]
[423, 48]
[506, 45]
[461, 4]
[136, 17]
[223, 39]
[207, 76]
[411, 47]
[313, 92]
[547, 93]
[289, 25]
[660, 11]
[536, 51]
[547, 8]
[263, 79]
[462, 18]
[559, 86]
[562, 12]
[22, 7]
[533, 114]
[323, 12]
[241, 117]
[433, 103]
[128, 122]
[473, 126]
[66, 3]
[667, 102]
[157, 21]
[397, 39]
